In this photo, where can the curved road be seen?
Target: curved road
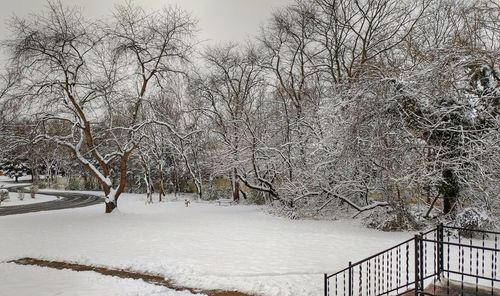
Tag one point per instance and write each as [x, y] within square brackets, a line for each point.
[68, 200]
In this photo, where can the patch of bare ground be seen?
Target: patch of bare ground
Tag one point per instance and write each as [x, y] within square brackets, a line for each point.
[154, 279]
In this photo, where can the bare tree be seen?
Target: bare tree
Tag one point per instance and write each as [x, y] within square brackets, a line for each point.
[356, 36]
[78, 73]
[451, 99]
[229, 90]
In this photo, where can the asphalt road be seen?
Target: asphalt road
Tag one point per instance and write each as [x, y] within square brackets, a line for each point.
[67, 200]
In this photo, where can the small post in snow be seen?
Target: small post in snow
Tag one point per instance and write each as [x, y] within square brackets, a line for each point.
[350, 279]
[326, 284]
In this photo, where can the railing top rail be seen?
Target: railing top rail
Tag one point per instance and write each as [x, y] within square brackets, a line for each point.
[372, 256]
[338, 272]
[472, 230]
[430, 231]
[461, 245]
[384, 251]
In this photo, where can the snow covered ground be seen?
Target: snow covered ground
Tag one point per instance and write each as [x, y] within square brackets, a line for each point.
[29, 280]
[203, 245]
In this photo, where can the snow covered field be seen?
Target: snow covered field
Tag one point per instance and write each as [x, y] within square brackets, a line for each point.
[203, 246]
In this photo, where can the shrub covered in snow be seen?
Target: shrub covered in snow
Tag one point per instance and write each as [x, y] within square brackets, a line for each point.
[214, 193]
[474, 219]
[15, 169]
[256, 197]
[33, 190]
[75, 183]
[20, 194]
[4, 194]
[388, 219]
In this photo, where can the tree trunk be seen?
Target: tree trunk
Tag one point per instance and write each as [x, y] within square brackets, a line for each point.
[111, 194]
[449, 205]
[244, 194]
[110, 206]
[47, 174]
[200, 194]
[236, 189]
[449, 189]
[161, 190]
[175, 178]
[149, 193]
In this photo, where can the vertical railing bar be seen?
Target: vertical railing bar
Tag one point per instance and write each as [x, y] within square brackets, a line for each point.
[462, 256]
[435, 259]
[417, 264]
[495, 265]
[477, 271]
[493, 270]
[441, 249]
[434, 253]
[350, 279]
[326, 284]
[424, 248]
[343, 284]
[360, 279]
[369, 288]
[459, 254]
[336, 285]
[448, 266]
[375, 276]
[407, 264]
[385, 274]
[378, 275]
[398, 269]
[422, 262]
[470, 253]
[496, 256]
[390, 271]
[384, 263]
[482, 259]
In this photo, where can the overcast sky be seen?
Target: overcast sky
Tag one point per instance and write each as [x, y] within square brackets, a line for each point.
[219, 20]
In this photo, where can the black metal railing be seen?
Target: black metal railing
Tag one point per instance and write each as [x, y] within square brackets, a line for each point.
[443, 261]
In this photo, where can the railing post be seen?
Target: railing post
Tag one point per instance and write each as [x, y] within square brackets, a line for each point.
[350, 279]
[440, 250]
[422, 262]
[417, 258]
[326, 284]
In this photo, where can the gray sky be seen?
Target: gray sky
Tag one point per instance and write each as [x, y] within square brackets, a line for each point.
[219, 20]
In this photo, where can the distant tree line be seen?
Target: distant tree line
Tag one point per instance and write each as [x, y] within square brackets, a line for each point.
[335, 106]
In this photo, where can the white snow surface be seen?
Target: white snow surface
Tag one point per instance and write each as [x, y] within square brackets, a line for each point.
[200, 246]
[22, 280]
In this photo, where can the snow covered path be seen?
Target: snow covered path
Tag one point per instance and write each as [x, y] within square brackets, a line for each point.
[64, 200]
[14, 200]
[204, 245]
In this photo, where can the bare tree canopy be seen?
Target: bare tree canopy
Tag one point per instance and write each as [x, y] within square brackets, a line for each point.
[86, 82]
[337, 107]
